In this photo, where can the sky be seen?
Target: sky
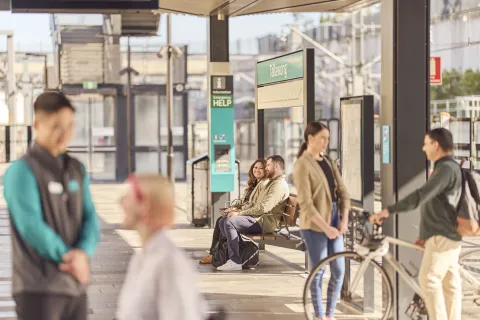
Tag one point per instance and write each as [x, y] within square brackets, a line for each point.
[32, 31]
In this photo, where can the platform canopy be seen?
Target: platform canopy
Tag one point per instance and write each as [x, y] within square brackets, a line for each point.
[193, 7]
[248, 7]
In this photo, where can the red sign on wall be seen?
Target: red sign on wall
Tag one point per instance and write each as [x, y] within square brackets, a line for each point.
[435, 71]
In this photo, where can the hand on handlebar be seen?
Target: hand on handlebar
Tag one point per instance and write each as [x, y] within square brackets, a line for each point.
[378, 218]
[420, 243]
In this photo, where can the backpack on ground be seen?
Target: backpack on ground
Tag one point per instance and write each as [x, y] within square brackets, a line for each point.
[248, 251]
[220, 252]
[469, 205]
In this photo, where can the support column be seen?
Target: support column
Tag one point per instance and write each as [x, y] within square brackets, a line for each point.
[405, 110]
[11, 96]
[220, 134]
[122, 136]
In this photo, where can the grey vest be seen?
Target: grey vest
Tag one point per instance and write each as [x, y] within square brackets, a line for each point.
[63, 212]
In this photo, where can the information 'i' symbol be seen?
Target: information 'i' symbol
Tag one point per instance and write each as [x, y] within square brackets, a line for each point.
[219, 83]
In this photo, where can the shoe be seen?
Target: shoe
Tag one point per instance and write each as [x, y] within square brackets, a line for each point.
[206, 260]
[230, 266]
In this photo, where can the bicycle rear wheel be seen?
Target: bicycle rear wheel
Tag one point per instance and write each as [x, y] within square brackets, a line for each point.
[354, 302]
[470, 268]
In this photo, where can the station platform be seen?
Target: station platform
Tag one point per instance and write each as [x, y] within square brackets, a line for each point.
[271, 291]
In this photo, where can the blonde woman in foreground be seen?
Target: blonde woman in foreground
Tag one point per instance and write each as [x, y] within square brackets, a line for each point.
[161, 280]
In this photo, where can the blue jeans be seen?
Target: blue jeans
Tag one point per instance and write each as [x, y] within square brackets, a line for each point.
[231, 229]
[319, 247]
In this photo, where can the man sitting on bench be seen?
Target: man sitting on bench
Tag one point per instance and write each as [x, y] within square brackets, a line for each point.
[266, 213]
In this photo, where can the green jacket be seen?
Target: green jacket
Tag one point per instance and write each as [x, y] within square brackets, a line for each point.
[438, 199]
[271, 201]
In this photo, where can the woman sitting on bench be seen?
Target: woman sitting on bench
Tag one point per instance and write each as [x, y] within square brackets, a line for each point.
[255, 185]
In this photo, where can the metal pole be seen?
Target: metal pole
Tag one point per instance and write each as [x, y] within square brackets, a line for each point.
[11, 96]
[90, 142]
[169, 88]
[129, 108]
[45, 84]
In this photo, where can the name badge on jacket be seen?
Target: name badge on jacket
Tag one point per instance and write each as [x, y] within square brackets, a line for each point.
[55, 187]
[73, 186]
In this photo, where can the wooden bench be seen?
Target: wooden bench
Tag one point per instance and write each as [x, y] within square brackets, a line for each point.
[287, 234]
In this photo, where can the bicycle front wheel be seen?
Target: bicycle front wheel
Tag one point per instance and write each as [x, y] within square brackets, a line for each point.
[364, 290]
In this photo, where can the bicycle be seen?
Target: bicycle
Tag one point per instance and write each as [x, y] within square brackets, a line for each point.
[367, 261]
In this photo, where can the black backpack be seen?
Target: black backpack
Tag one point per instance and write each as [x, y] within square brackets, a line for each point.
[248, 251]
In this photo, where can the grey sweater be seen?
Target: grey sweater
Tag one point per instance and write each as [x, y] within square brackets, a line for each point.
[438, 199]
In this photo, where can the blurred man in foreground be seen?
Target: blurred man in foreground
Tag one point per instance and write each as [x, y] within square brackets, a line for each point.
[161, 280]
[53, 220]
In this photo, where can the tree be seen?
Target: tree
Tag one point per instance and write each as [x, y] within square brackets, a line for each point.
[456, 84]
[471, 82]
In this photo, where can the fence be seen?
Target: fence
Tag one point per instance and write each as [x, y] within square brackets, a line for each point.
[466, 137]
[14, 140]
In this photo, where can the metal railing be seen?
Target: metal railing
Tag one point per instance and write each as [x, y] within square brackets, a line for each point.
[14, 141]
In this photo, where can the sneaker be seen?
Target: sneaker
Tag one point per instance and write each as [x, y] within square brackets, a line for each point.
[206, 260]
[230, 266]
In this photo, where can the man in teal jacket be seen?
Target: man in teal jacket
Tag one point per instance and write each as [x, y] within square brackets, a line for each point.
[54, 225]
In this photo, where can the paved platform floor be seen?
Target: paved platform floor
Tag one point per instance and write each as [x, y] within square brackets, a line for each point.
[272, 291]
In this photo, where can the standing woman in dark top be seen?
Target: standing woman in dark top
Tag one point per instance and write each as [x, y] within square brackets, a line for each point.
[324, 206]
[255, 185]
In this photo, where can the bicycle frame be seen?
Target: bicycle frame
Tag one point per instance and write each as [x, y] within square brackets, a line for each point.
[388, 257]
[399, 268]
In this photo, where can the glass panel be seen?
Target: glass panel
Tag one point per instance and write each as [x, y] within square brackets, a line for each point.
[245, 143]
[81, 122]
[147, 162]
[283, 135]
[146, 120]
[177, 121]
[103, 122]
[178, 163]
[104, 166]
[83, 158]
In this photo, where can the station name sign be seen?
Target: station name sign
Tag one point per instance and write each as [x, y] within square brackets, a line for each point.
[283, 68]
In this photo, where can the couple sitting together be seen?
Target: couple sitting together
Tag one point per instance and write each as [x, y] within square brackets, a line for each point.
[259, 210]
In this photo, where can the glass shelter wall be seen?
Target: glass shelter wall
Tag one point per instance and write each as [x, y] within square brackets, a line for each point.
[151, 134]
[94, 141]
[455, 75]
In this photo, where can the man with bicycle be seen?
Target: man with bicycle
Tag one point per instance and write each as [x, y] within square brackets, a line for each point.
[439, 275]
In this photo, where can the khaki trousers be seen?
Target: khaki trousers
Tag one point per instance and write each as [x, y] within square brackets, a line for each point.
[439, 278]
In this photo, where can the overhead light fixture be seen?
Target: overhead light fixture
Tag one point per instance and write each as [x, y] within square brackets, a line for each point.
[220, 16]
[176, 51]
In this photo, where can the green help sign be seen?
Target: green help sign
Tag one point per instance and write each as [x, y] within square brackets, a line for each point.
[222, 101]
[283, 68]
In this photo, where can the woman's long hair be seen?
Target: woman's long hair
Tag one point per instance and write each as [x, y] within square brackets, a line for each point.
[311, 129]
[252, 181]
